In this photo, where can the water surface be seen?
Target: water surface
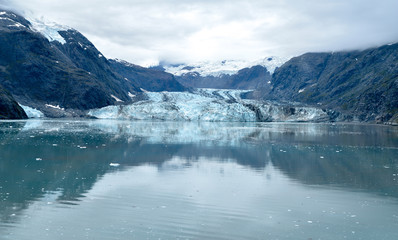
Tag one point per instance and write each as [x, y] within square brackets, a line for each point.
[158, 180]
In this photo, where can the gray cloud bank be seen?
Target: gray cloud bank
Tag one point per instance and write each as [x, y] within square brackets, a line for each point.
[146, 31]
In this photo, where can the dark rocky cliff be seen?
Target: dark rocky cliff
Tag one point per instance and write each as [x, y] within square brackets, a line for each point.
[9, 108]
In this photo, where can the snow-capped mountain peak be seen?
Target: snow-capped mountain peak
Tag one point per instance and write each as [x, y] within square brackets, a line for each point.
[226, 67]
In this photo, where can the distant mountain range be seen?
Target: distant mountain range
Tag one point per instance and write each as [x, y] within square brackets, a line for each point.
[227, 74]
[58, 71]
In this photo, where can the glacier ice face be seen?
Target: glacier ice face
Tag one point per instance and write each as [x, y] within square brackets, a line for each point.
[209, 105]
[32, 112]
[229, 67]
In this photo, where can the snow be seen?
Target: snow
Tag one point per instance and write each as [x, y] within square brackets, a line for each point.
[55, 107]
[211, 105]
[229, 67]
[116, 98]
[124, 62]
[32, 112]
[50, 30]
[131, 95]
[14, 23]
[18, 25]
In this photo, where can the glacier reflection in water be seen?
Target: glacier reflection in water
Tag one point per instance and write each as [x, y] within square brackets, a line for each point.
[165, 180]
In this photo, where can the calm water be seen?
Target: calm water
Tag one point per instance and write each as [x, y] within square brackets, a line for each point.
[128, 180]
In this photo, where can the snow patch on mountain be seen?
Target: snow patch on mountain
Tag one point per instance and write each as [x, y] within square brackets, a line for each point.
[226, 67]
[116, 98]
[48, 29]
[54, 107]
[209, 105]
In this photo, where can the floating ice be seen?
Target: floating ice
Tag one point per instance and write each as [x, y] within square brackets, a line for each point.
[114, 164]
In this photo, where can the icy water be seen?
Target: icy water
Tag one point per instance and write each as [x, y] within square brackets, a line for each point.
[155, 180]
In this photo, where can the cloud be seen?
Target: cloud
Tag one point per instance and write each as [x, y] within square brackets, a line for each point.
[147, 31]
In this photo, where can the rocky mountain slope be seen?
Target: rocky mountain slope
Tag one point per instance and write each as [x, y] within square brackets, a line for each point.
[363, 85]
[9, 108]
[39, 74]
[60, 72]
[147, 79]
[248, 78]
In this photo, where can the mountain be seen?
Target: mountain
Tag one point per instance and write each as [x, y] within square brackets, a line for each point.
[58, 71]
[363, 85]
[152, 80]
[231, 74]
[247, 78]
[9, 108]
[251, 78]
[38, 72]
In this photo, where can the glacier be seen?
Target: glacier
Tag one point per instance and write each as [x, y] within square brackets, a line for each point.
[209, 105]
[32, 112]
[48, 29]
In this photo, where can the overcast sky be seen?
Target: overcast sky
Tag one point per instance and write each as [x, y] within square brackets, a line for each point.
[146, 31]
